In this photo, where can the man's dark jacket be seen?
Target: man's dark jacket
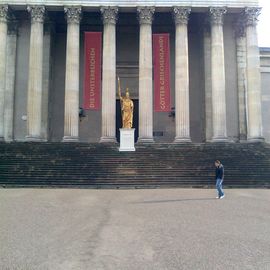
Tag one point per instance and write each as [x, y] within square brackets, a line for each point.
[220, 172]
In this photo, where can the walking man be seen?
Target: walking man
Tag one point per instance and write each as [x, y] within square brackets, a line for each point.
[219, 179]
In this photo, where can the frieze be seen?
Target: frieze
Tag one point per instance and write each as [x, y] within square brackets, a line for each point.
[109, 15]
[181, 15]
[217, 14]
[136, 3]
[73, 14]
[145, 14]
[251, 15]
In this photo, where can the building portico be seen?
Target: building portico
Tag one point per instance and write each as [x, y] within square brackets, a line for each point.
[214, 70]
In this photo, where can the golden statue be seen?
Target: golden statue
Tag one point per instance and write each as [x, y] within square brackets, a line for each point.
[126, 108]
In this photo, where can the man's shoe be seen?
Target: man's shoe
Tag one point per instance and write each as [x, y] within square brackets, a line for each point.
[222, 196]
[217, 197]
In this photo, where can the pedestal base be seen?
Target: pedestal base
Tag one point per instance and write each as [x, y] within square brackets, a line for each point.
[255, 139]
[145, 140]
[70, 139]
[127, 139]
[30, 138]
[107, 140]
[182, 140]
[220, 139]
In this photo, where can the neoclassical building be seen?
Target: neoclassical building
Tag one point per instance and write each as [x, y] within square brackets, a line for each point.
[214, 70]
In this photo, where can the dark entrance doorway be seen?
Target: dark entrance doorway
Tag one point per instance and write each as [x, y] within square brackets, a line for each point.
[135, 119]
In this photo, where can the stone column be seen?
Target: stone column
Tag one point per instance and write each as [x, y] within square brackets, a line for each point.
[145, 16]
[207, 80]
[71, 124]
[218, 75]
[34, 98]
[10, 80]
[182, 125]
[253, 76]
[241, 54]
[109, 16]
[47, 40]
[3, 44]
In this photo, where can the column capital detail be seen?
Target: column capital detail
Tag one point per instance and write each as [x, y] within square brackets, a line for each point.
[251, 15]
[3, 13]
[37, 13]
[109, 15]
[73, 14]
[145, 14]
[181, 14]
[217, 14]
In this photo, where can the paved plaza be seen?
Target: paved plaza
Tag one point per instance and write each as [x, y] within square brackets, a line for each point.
[166, 229]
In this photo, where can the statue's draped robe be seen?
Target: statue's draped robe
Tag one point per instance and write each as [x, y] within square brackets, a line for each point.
[127, 112]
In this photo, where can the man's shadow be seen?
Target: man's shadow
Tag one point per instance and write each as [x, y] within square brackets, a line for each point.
[178, 200]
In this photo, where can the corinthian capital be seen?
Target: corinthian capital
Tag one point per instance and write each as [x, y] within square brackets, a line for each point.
[109, 15]
[145, 14]
[37, 13]
[251, 15]
[181, 14]
[73, 14]
[217, 14]
[3, 13]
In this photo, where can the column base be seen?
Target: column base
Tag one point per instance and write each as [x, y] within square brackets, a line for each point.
[182, 140]
[9, 140]
[145, 140]
[220, 139]
[31, 138]
[255, 139]
[108, 139]
[70, 139]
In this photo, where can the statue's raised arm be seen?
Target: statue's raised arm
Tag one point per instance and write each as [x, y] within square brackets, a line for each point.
[119, 89]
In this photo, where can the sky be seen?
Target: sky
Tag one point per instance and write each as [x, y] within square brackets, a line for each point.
[264, 24]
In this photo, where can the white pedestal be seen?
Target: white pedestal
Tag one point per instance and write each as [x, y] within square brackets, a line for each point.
[127, 139]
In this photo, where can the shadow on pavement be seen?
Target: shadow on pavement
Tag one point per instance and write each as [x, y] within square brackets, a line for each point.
[180, 200]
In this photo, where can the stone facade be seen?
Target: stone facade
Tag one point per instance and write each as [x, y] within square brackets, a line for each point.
[214, 71]
[265, 89]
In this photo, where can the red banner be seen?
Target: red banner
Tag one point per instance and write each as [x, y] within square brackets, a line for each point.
[92, 70]
[161, 57]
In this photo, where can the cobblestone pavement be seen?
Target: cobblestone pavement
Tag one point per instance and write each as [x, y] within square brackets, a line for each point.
[64, 229]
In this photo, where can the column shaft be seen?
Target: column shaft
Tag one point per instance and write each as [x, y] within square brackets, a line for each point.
[109, 75]
[3, 39]
[241, 79]
[253, 77]
[207, 83]
[10, 82]
[47, 39]
[182, 120]
[145, 76]
[218, 75]
[71, 123]
[34, 98]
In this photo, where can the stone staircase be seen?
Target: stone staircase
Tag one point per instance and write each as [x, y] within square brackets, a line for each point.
[151, 166]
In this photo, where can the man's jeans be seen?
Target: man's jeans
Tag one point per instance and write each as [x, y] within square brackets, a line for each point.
[219, 187]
